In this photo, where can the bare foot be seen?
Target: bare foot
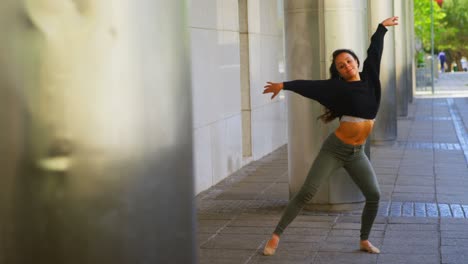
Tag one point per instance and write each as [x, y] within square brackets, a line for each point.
[271, 245]
[365, 245]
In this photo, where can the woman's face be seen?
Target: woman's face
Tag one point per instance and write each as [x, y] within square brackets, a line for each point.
[347, 67]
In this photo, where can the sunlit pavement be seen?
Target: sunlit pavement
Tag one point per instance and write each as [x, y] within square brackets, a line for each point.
[423, 216]
[449, 84]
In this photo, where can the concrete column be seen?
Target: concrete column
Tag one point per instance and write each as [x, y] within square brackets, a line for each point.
[401, 62]
[313, 30]
[411, 49]
[95, 138]
[385, 128]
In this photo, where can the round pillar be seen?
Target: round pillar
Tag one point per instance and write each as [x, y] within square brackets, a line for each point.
[313, 30]
[401, 61]
[410, 49]
[385, 127]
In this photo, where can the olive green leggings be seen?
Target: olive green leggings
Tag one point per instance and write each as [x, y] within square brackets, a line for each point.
[333, 155]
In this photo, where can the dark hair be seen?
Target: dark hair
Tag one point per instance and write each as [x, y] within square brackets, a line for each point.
[330, 115]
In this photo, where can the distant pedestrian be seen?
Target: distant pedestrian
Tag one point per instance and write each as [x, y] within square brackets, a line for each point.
[464, 64]
[354, 98]
[442, 59]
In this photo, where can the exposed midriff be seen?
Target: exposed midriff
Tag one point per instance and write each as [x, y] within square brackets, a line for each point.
[353, 130]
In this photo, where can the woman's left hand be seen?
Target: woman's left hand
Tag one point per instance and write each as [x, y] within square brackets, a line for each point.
[273, 88]
[391, 21]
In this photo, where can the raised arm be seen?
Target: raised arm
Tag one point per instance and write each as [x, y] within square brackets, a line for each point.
[374, 52]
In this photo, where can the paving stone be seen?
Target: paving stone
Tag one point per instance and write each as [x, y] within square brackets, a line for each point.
[420, 210]
[444, 210]
[211, 226]
[212, 216]
[276, 191]
[226, 255]
[412, 227]
[414, 197]
[305, 216]
[286, 246]
[455, 250]
[286, 257]
[407, 234]
[220, 261]
[386, 179]
[409, 258]
[235, 241]
[414, 189]
[432, 210]
[203, 238]
[306, 231]
[452, 223]
[409, 242]
[302, 238]
[345, 244]
[349, 219]
[457, 242]
[395, 209]
[310, 224]
[454, 234]
[454, 259]
[408, 249]
[391, 171]
[345, 258]
[253, 223]
[457, 211]
[408, 209]
[354, 233]
[413, 220]
[246, 230]
[412, 180]
[458, 198]
[357, 226]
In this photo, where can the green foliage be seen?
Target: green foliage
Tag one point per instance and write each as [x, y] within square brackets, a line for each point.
[422, 22]
[455, 37]
[420, 59]
[450, 27]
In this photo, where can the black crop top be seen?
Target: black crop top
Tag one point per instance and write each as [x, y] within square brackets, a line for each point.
[358, 98]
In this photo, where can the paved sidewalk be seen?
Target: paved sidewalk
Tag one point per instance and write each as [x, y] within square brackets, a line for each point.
[423, 216]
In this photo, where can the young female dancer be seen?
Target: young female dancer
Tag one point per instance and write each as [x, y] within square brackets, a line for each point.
[354, 98]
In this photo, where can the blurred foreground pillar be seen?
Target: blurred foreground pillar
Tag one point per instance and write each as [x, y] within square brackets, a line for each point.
[95, 138]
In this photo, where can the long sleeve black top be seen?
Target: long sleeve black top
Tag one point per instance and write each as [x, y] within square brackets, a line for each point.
[357, 98]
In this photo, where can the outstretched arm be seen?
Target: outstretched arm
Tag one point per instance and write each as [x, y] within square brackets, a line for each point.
[322, 91]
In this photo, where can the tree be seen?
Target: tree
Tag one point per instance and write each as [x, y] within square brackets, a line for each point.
[454, 39]
[422, 22]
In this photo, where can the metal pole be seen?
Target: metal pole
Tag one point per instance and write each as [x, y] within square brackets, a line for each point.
[432, 45]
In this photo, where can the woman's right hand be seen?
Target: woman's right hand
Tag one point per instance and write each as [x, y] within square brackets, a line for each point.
[274, 88]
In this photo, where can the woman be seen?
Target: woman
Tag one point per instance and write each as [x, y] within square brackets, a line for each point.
[354, 98]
